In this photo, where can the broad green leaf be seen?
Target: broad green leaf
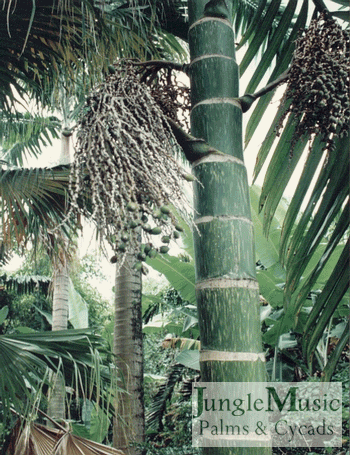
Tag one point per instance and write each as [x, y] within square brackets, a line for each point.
[160, 324]
[80, 430]
[266, 247]
[180, 274]
[270, 286]
[100, 423]
[3, 314]
[190, 322]
[78, 309]
[286, 341]
[25, 330]
[47, 316]
[189, 359]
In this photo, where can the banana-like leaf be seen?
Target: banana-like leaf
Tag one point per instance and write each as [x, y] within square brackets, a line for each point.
[181, 275]
[189, 359]
[3, 314]
[78, 309]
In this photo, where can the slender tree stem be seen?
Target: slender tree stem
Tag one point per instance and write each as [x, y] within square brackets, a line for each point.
[248, 99]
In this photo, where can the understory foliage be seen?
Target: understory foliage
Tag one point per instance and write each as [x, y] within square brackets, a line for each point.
[318, 84]
[125, 160]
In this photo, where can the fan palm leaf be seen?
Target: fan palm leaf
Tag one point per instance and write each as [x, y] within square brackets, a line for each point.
[50, 441]
[26, 359]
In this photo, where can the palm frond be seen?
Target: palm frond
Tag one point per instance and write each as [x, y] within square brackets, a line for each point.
[24, 134]
[158, 406]
[52, 441]
[25, 284]
[62, 40]
[314, 228]
[5, 252]
[34, 203]
[27, 358]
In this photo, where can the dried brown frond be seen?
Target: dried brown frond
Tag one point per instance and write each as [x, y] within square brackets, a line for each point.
[35, 439]
[125, 159]
[318, 84]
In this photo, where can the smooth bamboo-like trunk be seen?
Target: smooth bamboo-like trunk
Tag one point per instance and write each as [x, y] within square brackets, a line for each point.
[129, 426]
[226, 286]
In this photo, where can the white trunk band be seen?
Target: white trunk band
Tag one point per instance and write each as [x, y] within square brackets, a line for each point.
[206, 56]
[224, 283]
[215, 158]
[232, 101]
[208, 219]
[225, 356]
[211, 19]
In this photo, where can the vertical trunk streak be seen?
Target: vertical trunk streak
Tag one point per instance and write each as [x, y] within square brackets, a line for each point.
[129, 426]
[56, 406]
[60, 298]
[226, 289]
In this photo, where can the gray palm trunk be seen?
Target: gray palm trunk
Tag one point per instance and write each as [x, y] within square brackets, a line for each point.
[226, 286]
[60, 312]
[129, 426]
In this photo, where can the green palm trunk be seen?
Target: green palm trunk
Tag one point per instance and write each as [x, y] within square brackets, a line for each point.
[226, 285]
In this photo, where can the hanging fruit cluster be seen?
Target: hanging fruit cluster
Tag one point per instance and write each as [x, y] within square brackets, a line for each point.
[318, 84]
[124, 159]
[172, 96]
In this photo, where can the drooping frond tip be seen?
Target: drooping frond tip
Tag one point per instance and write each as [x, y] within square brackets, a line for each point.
[124, 160]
